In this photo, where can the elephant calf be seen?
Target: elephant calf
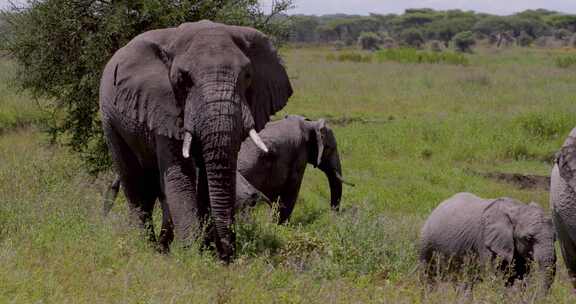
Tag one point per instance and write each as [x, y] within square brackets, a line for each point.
[293, 142]
[466, 228]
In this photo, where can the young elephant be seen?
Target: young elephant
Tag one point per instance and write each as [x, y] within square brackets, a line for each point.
[563, 202]
[293, 142]
[466, 228]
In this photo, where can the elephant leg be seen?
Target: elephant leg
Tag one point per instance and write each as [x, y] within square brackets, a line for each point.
[204, 209]
[286, 206]
[178, 177]
[567, 246]
[110, 196]
[141, 186]
[287, 201]
[167, 231]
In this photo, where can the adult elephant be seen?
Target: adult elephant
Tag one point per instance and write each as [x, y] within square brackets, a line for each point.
[194, 90]
[293, 142]
[563, 202]
[467, 228]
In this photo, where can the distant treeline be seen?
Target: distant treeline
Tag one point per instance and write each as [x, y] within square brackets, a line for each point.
[422, 25]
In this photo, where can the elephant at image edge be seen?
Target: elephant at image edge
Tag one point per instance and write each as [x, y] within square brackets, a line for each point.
[466, 226]
[179, 98]
[294, 142]
[563, 202]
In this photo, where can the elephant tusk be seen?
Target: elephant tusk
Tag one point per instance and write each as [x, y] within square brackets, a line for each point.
[343, 180]
[257, 140]
[186, 145]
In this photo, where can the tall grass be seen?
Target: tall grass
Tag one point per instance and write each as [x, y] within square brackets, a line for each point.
[416, 56]
[401, 55]
[565, 61]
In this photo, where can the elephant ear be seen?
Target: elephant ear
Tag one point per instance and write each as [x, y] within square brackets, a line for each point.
[566, 159]
[270, 87]
[498, 230]
[141, 84]
[320, 130]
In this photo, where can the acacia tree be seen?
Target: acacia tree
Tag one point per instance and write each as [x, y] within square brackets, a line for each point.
[61, 47]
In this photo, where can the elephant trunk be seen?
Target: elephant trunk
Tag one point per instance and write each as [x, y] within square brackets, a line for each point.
[545, 257]
[220, 132]
[333, 171]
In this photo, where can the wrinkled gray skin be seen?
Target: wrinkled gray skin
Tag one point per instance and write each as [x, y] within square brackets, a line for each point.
[466, 228]
[205, 81]
[563, 202]
[294, 142]
[246, 194]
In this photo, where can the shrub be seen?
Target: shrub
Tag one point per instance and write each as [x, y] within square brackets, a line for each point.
[463, 41]
[572, 41]
[350, 57]
[388, 42]
[524, 39]
[562, 34]
[369, 41]
[565, 62]
[436, 46]
[412, 38]
[405, 55]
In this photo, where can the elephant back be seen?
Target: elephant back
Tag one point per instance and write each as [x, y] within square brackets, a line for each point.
[453, 228]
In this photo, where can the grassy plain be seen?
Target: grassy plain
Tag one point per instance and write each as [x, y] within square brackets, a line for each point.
[409, 136]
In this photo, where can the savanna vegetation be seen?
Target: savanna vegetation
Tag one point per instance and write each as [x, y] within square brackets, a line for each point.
[411, 132]
[409, 136]
[418, 27]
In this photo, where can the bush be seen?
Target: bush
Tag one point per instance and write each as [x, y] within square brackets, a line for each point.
[415, 56]
[61, 47]
[524, 39]
[436, 46]
[412, 38]
[463, 41]
[565, 62]
[388, 42]
[349, 57]
[369, 41]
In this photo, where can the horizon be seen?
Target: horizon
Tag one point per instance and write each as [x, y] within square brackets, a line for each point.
[366, 7]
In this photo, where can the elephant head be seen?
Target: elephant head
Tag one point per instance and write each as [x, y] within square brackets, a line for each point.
[209, 85]
[323, 154]
[519, 234]
[247, 195]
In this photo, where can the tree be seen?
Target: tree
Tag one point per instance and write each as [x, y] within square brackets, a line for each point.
[369, 41]
[524, 39]
[412, 38]
[464, 41]
[303, 28]
[61, 47]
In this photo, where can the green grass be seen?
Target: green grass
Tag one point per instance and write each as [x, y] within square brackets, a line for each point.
[408, 134]
[17, 108]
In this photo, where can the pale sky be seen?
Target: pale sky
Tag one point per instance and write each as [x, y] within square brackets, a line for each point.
[364, 7]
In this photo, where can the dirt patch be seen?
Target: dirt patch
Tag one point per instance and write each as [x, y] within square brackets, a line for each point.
[522, 181]
[344, 121]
